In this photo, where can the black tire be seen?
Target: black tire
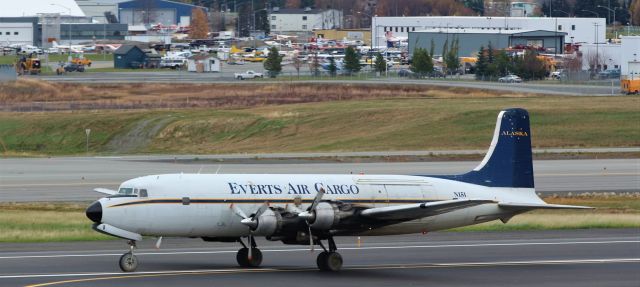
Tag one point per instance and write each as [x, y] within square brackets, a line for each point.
[321, 261]
[256, 258]
[128, 262]
[243, 257]
[334, 261]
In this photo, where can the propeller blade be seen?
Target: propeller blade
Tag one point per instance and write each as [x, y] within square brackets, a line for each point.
[238, 211]
[317, 199]
[261, 210]
[159, 242]
[311, 239]
[250, 248]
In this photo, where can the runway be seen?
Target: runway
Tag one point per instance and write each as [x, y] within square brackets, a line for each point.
[72, 179]
[527, 258]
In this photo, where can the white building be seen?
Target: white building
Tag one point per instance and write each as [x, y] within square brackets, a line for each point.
[522, 9]
[579, 30]
[303, 20]
[630, 56]
[31, 8]
[607, 56]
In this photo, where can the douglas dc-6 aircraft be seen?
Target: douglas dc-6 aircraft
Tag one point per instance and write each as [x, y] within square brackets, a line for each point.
[307, 209]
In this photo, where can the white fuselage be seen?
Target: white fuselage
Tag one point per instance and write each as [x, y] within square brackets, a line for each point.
[200, 205]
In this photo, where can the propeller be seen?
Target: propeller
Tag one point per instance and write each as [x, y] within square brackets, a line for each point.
[251, 222]
[310, 214]
[158, 242]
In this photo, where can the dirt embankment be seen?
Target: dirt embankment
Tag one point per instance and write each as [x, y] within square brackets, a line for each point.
[35, 95]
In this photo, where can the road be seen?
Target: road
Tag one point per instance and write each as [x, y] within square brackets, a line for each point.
[73, 178]
[525, 258]
[553, 88]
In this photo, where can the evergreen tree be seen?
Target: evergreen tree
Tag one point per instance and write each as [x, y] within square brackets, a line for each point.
[481, 64]
[332, 67]
[351, 61]
[422, 63]
[445, 52]
[273, 63]
[451, 60]
[503, 64]
[380, 64]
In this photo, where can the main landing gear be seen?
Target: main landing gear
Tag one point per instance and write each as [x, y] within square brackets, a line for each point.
[249, 257]
[329, 260]
[128, 261]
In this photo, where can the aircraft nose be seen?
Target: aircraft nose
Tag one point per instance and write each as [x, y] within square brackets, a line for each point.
[94, 212]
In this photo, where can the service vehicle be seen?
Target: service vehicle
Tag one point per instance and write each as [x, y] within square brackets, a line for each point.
[248, 75]
[510, 79]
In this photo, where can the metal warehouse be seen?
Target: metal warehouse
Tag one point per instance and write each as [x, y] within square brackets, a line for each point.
[470, 40]
[151, 12]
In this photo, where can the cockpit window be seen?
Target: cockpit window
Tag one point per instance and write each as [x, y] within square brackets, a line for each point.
[125, 191]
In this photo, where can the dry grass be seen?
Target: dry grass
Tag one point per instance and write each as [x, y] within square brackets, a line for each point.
[29, 94]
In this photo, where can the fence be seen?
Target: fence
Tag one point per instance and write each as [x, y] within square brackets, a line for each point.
[7, 73]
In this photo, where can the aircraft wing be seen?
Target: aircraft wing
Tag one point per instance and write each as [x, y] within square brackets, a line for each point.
[106, 191]
[420, 210]
[529, 206]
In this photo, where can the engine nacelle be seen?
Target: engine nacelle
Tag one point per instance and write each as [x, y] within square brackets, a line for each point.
[325, 216]
[268, 223]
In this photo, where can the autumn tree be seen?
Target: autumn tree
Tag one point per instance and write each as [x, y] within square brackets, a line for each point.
[199, 24]
[634, 9]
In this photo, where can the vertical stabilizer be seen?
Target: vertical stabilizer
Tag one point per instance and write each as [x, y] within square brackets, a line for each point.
[508, 163]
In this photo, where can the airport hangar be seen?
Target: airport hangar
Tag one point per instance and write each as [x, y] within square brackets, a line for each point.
[578, 30]
[470, 40]
[39, 22]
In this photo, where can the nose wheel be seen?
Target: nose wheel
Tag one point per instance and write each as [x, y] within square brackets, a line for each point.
[249, 256]
[128, 261]
[329, 260]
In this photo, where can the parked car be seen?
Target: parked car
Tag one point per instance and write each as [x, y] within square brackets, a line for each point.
[406, 73]
[558, 75]
[609, 74]
[71, 67]
[247, 75]
[510, 79]
[173, 62]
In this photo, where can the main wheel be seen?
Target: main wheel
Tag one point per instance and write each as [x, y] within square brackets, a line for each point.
[321, 261]
[334, 261]
[128, 262]
[256, 258]
[243, 257]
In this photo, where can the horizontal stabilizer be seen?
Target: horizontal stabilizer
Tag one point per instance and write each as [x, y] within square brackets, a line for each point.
[106, 191]
[528, 206]
[420, 210]
[117, 232]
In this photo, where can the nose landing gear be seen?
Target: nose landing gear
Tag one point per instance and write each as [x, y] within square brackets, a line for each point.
[128, 261]
[249, 257]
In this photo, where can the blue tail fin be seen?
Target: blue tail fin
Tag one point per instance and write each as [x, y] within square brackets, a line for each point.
[508, 162]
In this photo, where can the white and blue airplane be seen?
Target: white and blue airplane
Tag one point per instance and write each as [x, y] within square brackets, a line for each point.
[311, 208]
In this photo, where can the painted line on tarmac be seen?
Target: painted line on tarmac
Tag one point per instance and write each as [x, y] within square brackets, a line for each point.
[116, 275]
[346, 248]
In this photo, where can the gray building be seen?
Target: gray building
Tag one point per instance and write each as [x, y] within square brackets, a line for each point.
[470, 40]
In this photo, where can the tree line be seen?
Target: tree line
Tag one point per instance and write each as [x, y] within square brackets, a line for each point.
[492, 64]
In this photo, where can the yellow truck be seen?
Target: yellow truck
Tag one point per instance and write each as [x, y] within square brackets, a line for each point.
[630, 86]
[81, 61]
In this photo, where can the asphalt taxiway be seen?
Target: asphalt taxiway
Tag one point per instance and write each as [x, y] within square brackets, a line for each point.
[73, 178]
[526, 258]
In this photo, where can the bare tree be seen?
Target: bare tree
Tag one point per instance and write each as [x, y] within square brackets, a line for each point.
[297, 64]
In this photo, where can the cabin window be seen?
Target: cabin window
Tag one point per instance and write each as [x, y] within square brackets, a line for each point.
[125, 191]
[573, 27]
[143, 193]
[186, 201]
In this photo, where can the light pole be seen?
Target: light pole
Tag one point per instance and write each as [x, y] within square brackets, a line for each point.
[375, 32]
[597, 15]
[614, 18]
[69, 24]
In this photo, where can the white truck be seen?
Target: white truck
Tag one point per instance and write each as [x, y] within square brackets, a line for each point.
[247, 75]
